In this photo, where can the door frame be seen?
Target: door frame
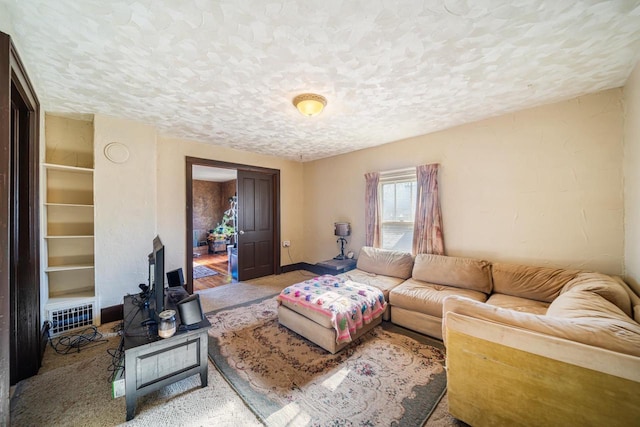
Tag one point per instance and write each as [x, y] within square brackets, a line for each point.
[193, 161]
[13, 75]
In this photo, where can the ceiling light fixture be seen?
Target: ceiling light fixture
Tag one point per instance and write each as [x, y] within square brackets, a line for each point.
[310, 104]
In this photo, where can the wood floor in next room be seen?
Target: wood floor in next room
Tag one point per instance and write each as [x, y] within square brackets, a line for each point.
[217, 262]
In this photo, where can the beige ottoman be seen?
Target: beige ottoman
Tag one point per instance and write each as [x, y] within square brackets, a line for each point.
[330, 311]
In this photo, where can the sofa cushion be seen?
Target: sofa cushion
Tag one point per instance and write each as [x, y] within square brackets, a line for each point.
[633, 297]
[384, 283]
[385, 262]
[537, 283]
[518, 304]
[579, 304]
[459, 272]
[605, 320]
[605, 286]
[427, 298]
[604, 332]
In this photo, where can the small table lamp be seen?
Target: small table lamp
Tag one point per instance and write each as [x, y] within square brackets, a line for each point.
[342, 229]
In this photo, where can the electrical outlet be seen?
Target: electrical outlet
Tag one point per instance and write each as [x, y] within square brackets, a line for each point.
[286, 243]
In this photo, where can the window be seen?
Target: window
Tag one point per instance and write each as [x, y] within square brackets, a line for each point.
[398, 204]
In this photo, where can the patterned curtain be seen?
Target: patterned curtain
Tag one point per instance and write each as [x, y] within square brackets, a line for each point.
[427, 232]
[372, 210]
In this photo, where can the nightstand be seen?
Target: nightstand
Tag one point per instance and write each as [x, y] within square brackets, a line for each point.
[338, 265]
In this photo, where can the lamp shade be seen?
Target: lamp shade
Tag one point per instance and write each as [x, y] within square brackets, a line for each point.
[342, 229]
[310, 104]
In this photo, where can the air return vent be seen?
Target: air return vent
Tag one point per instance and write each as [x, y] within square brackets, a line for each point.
[68, 318]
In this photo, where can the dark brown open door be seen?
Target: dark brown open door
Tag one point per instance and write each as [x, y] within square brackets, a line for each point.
[256, 246]
[20, 348]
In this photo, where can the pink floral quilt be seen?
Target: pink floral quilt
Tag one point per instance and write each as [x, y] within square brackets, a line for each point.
[348, 304]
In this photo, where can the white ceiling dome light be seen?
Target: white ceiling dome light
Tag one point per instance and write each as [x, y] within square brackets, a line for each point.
[310, 104]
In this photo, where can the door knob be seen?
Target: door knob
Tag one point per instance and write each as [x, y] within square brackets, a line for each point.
[241, 232]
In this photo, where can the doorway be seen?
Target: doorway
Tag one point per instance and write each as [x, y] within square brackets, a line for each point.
[249, 229]
[214, 213]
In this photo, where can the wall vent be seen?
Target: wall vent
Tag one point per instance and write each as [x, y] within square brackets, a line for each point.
[69, 318]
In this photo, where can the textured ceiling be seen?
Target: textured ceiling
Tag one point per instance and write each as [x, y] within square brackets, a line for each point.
[225, 71]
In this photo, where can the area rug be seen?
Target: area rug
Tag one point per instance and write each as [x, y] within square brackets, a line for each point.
[200, 271]
[389, 376]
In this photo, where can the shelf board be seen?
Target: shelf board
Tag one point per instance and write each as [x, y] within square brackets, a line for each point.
[66, 168]
[68, 205]
[78, 295]
[87, 236]
[68, 267]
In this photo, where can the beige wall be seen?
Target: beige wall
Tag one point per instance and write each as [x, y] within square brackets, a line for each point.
[171, 194]
[542, 186]
[632, 178]
[125, 208]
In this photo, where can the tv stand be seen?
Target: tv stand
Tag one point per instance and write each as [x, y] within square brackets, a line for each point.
[148, 322]
[152, 362]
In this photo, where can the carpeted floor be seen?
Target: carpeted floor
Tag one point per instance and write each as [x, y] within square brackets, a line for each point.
[287, 379]
[73, 389]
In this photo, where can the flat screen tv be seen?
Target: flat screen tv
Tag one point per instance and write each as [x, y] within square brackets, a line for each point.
[156, 281]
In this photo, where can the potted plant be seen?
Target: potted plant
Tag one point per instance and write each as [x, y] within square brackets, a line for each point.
[224, 232]
[221, 235]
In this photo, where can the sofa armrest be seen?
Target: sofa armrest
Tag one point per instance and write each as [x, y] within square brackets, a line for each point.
[498, 374]
[635, 299]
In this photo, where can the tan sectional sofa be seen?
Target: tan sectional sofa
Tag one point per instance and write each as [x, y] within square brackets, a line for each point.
[577, 362]
[381, 268]
[525, 345]
[417, 303]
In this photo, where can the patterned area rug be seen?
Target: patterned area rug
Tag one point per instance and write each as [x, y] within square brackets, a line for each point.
[390, 376]
[200, 271]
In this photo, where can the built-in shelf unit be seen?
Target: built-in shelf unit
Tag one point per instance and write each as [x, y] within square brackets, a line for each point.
[68, 223]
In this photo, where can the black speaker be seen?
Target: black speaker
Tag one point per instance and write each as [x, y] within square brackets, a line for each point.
[190, 310]
[175, 278]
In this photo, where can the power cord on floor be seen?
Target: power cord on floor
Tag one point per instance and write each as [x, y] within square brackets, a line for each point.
[86, 338]
[117, 359]
[289, 253]
[302, 272]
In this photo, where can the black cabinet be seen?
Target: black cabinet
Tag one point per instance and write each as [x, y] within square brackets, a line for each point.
[152, 362]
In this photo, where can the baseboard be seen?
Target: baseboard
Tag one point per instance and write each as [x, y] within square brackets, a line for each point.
[314, 268]
[111, 314]
[293, 267]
